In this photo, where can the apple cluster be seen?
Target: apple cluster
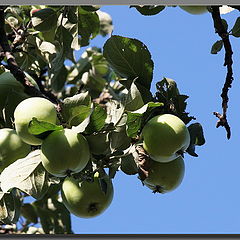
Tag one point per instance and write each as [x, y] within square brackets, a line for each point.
[165, 139]
[63, 152]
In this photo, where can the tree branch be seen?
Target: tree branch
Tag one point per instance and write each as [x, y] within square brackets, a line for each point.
[222, 32]
[12, 64]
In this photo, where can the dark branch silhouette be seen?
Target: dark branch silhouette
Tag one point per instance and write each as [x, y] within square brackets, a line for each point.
[222, 32]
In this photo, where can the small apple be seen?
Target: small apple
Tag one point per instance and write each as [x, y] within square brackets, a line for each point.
[165, 137]
[86, 199]
[37, 107]
[165, 177]
[100, 69]
[11, 147]
[99, 143]
[64, 152]
[195, 9]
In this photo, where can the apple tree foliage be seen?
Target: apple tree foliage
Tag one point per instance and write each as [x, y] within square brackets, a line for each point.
[104, 95]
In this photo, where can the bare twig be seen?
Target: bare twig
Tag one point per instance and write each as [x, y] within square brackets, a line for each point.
[222, 32]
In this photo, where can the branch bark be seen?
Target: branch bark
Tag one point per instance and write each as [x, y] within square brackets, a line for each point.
[222, 32]
[11, 62]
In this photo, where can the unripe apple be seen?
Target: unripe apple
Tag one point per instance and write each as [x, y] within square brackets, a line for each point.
[165, 177]
[165, 137]
[64, 152]
[11, 147]
[100, 69]
[86, 199]
[37, 107]
[195, 9]
[99, 143]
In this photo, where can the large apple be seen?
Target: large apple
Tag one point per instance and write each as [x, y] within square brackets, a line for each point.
[195, 9]
[64, 152]
[165, 137]
[11, 147]
[37, 107]
[87, 199]
[165, 177]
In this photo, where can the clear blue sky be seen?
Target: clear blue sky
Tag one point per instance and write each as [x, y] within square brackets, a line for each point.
[208, 199]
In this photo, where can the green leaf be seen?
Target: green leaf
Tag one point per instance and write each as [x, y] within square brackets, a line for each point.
[216, 47]
[130, 58]
[72, 14]
[10, 204]
[59, 79]
[149, 10]
[80, 115]
[62, 218]
[236, 28]
[174, 102]
[88, 27]
[97, 120]
[225, 24]
[196, 138]
[42, 129]
[26, 174]
[57, 62]
[73, 106]
[133, 99]
[46, 219]
[118, 138]
[128, 165]
[167, 88]
[44, 19]
[28, 211]
[134, 121]
[94, 84]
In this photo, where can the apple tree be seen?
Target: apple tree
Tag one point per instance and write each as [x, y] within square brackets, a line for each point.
[69, 125]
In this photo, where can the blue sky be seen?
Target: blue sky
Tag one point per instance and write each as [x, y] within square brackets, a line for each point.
[208, 199]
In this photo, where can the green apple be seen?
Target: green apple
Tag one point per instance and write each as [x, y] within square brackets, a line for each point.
[64, 152]
[37, 107]
[165, 177]
[11, 147]
[195, 9]
[86, 199]
[99, 143]
[165, 137]
[100, 69]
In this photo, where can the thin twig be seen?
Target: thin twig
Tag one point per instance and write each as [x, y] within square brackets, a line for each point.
[222, 32]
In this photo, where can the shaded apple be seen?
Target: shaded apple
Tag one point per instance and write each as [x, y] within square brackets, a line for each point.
[12, 147]
[165, 177]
